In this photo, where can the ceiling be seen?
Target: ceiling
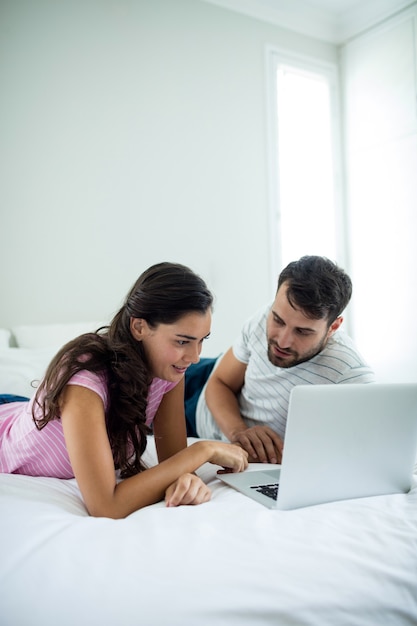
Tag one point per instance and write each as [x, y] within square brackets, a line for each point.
[335, 21]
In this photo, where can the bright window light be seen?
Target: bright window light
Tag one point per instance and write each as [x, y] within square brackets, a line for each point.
[306, 211]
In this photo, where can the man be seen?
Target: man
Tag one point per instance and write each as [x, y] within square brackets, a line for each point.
[296, 341]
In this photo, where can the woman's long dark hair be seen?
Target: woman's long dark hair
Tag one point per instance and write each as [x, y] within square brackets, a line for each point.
[161, 295]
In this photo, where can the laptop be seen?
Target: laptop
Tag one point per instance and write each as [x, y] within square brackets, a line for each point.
[341, 442]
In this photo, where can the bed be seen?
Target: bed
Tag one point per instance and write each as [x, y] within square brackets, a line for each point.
[228, 562]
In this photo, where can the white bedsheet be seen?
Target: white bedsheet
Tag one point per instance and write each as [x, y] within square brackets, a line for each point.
[228, 562]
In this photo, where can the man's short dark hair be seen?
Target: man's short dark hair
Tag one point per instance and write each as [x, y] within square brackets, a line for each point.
[317, 286]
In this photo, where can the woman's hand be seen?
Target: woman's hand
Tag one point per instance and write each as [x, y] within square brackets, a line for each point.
[187, 489]
[230, 457]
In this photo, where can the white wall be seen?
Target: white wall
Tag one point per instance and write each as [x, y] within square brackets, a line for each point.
[133, 131]
[381, 138]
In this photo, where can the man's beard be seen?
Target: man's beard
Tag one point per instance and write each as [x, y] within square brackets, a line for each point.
[294, 358]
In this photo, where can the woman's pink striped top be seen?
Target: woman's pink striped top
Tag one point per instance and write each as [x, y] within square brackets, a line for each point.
[26, 450]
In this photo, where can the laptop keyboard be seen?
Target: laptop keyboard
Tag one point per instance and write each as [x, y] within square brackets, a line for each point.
[268, 490]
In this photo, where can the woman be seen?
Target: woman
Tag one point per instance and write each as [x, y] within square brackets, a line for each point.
[103, 392]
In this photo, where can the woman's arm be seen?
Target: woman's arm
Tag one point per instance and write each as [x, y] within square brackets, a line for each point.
[91, 458]
[170, 437]
[169, 424]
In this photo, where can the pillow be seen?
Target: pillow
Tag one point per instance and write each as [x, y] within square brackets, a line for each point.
[19, 367]
[4, 338]
[51, 335]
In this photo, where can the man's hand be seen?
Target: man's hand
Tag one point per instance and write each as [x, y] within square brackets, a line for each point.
[262, 444]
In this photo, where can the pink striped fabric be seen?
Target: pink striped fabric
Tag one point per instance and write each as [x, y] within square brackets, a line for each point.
[26, 450]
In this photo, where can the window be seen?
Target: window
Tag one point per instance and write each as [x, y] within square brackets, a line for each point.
[305, 180]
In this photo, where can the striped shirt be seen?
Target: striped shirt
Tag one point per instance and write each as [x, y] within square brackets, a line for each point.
[26, 450]
[265, 394]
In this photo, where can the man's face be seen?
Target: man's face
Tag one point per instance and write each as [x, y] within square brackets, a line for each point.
[292, 337]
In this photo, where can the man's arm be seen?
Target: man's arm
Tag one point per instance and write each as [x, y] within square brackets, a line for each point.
[261, 442]
[222, 389]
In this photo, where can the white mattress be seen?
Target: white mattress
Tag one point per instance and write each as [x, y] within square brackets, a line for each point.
[228, 562]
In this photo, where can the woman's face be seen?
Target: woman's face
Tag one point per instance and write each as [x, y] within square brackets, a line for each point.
[171, 348]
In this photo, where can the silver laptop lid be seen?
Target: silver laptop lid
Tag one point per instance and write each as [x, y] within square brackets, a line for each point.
[348, 441]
